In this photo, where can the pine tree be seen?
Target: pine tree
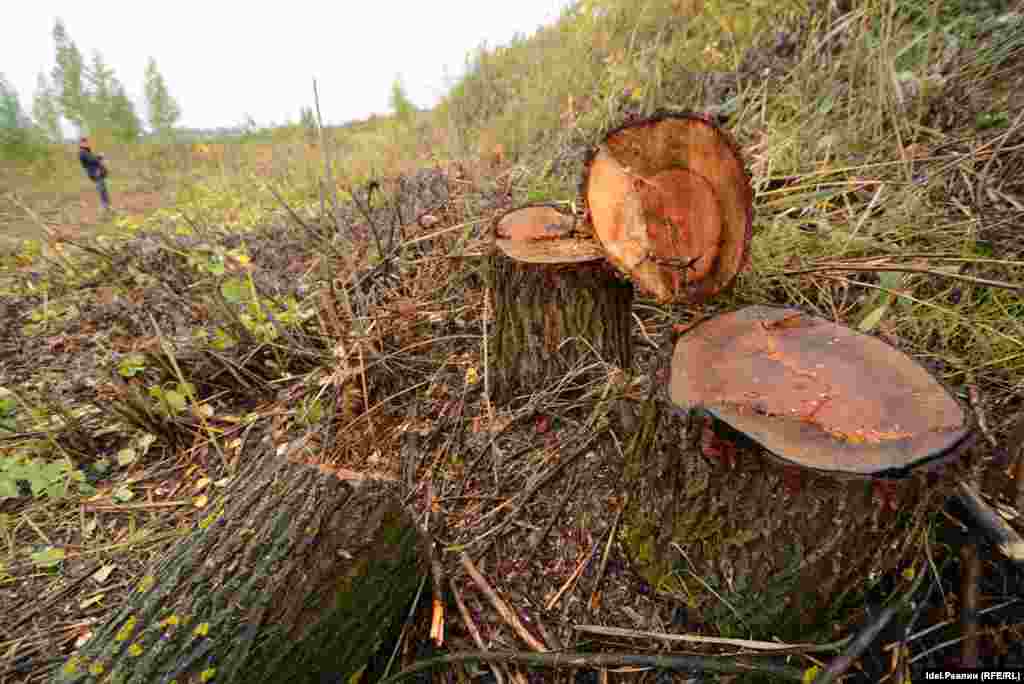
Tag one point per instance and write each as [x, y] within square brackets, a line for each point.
[163, 110]
[46, 110]
[17, 140]
[11, 116]
[125, 123]
[68, 77]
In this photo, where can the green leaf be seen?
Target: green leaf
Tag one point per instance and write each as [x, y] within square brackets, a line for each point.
[216, 265]
[233, 290]
[48, 557]
[8, 488]
[873, 318]
[176, 400]
[131, 365]
[123, 494]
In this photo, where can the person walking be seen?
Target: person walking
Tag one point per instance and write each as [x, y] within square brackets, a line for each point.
[96, 170]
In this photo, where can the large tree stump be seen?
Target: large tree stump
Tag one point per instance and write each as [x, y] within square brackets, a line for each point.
[785, 462]
[671, 204]
[556, 302]
[295, 577]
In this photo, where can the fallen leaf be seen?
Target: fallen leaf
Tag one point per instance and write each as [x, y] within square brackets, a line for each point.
[101, 575]
[91, 601]
[126, 457]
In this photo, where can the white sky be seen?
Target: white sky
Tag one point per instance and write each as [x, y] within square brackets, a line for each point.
[225, 59]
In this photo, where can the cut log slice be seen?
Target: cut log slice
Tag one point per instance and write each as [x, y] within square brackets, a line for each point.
[816, 393]
[672, 205]
[558, 305]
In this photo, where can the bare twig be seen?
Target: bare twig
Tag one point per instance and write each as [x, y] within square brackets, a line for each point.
[536, 540]
[506, 612]
[595, 594]
[979, 414]
[1016, 444]
[524, 498]
[842, 663]
[999, 148]
[971, 570]
[994, 527]
[295, 217]
[328, 166]
[569, 659]
[474, 631]
[601, 630]
[1017, 287]
[580, 567]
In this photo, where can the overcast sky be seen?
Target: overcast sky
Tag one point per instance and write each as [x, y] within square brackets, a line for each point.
[224, 59]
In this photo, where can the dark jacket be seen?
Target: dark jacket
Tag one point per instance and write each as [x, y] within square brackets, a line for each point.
[92, 163]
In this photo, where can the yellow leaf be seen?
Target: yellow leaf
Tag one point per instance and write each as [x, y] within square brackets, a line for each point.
[472, 377]
[101, 575]
[202, 629]
[91, 601]
[810, 673]
[200, 501]
[126, 630]
[146, 584]
[207, 674]
[135, 649]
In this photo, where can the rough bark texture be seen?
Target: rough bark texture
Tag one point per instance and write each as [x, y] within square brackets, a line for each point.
[294, 577]
[758, 547]
[550, 317]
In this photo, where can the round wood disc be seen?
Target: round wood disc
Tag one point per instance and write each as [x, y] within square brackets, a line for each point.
[814, 392]
[565, 251]
[541, 234]
[671, 203]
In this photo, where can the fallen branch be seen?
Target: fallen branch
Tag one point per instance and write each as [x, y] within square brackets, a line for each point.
[601, 630]
[1017, 287]
[571, 659]
[994, 527]
[500, 605]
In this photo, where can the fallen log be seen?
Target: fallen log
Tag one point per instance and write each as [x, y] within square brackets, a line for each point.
[293, 577]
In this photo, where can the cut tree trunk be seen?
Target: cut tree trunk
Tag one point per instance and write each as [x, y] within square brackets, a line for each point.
[783, 463]
[294, 577]
[557, 305]
[758, 547]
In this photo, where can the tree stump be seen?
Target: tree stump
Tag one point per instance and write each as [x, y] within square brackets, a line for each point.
[294, 577]
[557, 304]
[784, 461]
[671, 203]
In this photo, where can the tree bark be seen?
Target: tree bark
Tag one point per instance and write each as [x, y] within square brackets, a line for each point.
[550, 317]
[293, 577]
[757, 546]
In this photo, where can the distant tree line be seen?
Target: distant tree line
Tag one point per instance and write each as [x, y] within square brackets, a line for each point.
[89, 96]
